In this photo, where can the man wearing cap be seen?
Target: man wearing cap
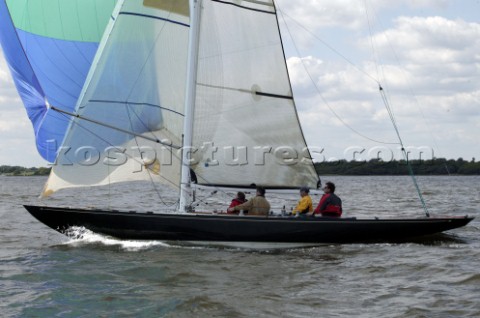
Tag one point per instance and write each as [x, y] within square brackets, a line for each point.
[304, 206]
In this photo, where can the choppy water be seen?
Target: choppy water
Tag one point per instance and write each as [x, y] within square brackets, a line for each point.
[44, 274]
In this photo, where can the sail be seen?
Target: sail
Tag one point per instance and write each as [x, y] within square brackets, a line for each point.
[49, 46]
[246, 128]
[131, 108]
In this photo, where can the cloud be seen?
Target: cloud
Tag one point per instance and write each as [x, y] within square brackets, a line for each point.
[7, 89]
[16, 132]
[347, 14]
[315, 14]
[429, 66]
[430, 70]
[431, 40]
[434, 57]
[428, 3]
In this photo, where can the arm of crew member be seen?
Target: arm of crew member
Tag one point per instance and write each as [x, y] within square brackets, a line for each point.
[244, 206]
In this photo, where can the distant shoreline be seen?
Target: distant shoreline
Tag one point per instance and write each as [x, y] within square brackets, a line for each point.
[374, 167]
[18, 171]
[438, 166]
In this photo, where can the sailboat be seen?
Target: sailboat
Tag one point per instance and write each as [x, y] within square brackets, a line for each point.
[187, 94]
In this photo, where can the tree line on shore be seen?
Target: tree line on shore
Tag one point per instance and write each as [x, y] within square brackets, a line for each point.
[22, 171]
[437, 166]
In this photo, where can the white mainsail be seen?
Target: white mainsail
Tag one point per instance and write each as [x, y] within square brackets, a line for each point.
[137, 84]
[243, 105]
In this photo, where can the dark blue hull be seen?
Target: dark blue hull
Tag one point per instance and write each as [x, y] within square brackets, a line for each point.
[226, 228]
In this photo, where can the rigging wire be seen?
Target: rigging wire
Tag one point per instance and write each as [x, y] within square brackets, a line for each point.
[140, 153]
[404, 152]
[325, 44]
[318, 89]
[392, 116]
[160, 32]
[127, 106]
[76, 115]
[375, 57]
[382, 93]
[64, 114]
[410, 90]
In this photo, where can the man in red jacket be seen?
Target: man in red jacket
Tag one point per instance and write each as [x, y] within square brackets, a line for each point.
[330, 204]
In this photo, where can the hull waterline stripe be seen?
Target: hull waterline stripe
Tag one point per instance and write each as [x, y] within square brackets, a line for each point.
[154, 17]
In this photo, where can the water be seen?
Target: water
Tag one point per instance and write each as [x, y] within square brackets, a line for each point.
[45, 274]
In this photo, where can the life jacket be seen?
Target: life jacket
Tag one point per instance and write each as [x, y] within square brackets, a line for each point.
[332, 210]
[332, 206]
[234, 203]
[304, 200]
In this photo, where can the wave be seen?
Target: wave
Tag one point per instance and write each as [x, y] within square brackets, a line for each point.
[80, 236]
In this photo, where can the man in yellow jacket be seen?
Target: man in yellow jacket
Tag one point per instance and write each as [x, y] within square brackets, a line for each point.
[305, 205]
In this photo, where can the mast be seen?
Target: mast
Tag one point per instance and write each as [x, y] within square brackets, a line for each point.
[193, 41]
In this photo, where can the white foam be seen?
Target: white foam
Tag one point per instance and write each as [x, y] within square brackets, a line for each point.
[81, 236]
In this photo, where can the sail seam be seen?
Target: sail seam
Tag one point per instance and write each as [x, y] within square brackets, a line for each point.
[153, 17]
[247, 8]
[134, 103]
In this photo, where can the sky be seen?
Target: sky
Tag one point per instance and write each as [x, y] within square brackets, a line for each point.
[425, 54]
